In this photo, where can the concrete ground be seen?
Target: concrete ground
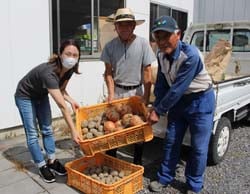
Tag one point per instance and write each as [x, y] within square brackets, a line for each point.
[18, 173]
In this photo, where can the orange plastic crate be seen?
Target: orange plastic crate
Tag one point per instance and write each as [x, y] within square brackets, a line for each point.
[117, 139]
[128, 185]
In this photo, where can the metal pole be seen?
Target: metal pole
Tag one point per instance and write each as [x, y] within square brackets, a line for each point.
[50, 27]
[92, 26]
[97, 27]
[58, 25]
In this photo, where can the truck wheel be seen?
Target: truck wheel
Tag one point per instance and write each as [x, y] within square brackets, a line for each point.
[219, 141]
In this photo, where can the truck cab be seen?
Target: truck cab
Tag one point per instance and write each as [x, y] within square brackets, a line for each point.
[205, 36]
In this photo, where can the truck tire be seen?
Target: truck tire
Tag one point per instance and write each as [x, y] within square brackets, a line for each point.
[219, 142]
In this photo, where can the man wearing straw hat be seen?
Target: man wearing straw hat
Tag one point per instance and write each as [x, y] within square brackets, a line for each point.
[128, 59]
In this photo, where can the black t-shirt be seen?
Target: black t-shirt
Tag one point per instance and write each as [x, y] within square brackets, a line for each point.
[35, 84]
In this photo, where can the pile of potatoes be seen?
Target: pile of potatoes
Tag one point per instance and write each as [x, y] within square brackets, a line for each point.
[114, 118]
[105, 174]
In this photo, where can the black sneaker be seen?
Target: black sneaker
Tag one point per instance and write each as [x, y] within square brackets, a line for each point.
[46, 174]
[57, 168]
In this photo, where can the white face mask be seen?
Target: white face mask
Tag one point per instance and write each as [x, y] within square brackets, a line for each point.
[69, 62]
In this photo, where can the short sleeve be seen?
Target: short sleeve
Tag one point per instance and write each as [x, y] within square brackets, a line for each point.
[50, 80]
[148, 56]
[105, 56]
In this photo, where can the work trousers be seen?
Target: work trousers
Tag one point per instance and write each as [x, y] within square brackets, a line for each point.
[193, 111]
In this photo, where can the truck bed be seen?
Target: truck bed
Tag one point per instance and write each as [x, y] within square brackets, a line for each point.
[231, 94]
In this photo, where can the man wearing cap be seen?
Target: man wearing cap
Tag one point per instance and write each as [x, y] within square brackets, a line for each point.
[184, 92]
[128, 59]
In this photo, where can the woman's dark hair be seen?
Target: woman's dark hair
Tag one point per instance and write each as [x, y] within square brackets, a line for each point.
[56, 59]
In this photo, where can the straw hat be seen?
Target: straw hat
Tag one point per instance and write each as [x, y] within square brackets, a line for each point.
[126, 14]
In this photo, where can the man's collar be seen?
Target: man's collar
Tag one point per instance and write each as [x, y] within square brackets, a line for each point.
[175, 54]
[131, 39]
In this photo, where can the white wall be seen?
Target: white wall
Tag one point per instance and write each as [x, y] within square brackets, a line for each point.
[25, 43]
[24, 38]
[141, 10]
[208, 11]
[86, 88]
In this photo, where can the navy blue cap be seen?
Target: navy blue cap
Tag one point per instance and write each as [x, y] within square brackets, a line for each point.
[165, 23]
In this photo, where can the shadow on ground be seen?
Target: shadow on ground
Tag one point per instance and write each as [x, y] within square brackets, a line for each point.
[152, 158]
[20, 156]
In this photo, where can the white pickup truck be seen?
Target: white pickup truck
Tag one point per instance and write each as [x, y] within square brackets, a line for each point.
[233, 92]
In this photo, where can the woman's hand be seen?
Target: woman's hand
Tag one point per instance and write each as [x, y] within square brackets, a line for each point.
[76, 137]
[74, 105]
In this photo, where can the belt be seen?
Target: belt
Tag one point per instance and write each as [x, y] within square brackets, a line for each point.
[128, 87]
[196, 94]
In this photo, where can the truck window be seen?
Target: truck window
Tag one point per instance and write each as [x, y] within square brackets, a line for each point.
[241, 40]
[198, 39]
[214, 35]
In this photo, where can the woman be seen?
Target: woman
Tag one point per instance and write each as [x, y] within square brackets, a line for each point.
[32, 100]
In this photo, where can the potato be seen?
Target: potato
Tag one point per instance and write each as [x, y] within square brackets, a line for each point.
[85, 130]
[112, 114]
[98, 118]
[84, 124]
[118, 124]
[93, 130]
[101, 175]
[135, 120]
[89, 135]
[105, 168]
[126, 109]
[98, 134]
[108, 180]
[121, 174]
[109, 127]
[98, 170]
[94, 176]
[100, 128]
[118, 108]
[126, 120]
[114, 173]
[103, 180]
[105, 174]
[91, 124]
[84, 136]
